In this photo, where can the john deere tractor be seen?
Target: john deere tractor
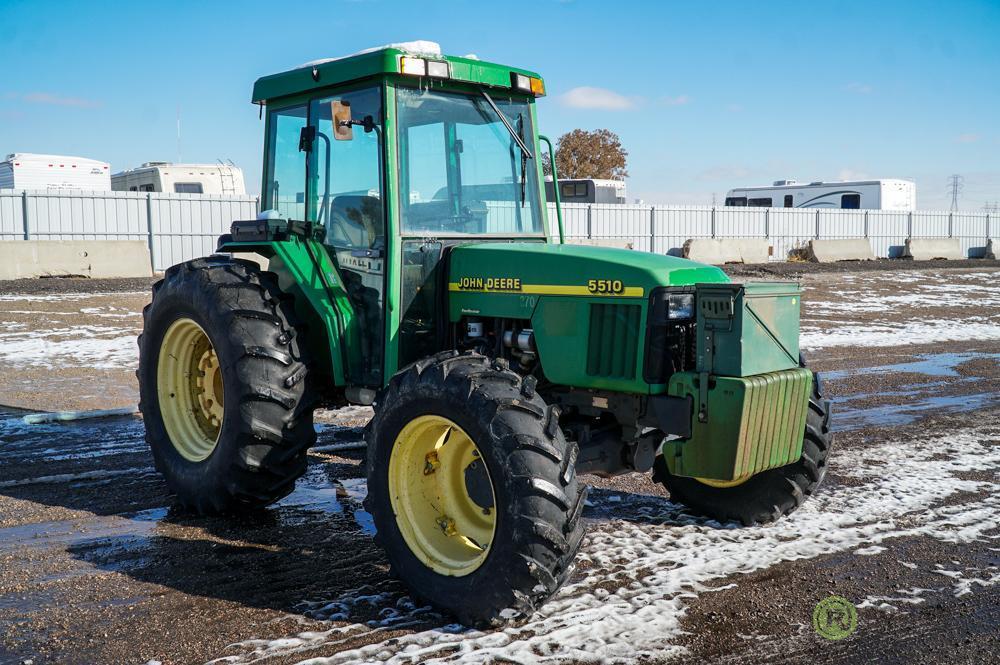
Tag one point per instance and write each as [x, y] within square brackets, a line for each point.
[410, 267]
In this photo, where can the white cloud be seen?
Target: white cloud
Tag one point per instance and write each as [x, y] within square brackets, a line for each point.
[586, 97]
[858, 88]
[679, 100]
[851, 174]
[968, 138]
[54, 100]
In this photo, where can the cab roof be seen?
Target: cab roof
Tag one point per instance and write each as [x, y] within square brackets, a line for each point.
[382, 60]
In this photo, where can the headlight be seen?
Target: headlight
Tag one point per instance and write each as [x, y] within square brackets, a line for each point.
[680, 306]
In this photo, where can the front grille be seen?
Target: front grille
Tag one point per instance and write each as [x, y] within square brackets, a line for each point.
[613, 340]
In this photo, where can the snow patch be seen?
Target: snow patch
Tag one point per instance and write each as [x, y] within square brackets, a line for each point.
[100, 347]
[83, 475]
[417, 47]
[929, 331]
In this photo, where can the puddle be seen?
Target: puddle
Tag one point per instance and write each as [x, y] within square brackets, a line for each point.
[936, 364]
[316, 492]
[76, 531]
[892, 415]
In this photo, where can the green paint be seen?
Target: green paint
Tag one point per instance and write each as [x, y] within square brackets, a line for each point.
[754, 328]
[754, 424]
[381, 63]
[304, 269]
[588, 306]
[555, 187]
[555, 294]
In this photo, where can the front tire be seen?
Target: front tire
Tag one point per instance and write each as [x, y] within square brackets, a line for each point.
[224, 386]
[767, 496]
[487, 544]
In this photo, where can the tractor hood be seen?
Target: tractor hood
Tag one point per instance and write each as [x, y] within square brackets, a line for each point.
[578, 270]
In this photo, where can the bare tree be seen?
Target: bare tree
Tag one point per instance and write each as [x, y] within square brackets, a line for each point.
[595, 154]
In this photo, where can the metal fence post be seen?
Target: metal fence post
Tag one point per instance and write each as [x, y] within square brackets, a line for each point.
[951, 225]
[909, 225]
[713, 221]
[652, 228]
[590, 221]
[817, 223]
[767, 223]
[24, 214]
[149, 230]
[866, 223]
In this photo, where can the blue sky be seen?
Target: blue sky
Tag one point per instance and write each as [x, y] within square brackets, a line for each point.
[705, 96]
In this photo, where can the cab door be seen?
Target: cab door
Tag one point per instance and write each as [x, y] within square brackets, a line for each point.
[345, 193]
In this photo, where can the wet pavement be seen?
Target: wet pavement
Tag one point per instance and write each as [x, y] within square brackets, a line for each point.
[98, 566]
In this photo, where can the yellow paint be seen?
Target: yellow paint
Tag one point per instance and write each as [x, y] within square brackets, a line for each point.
[554, 290]
[722, 484]
[441, 524]
[190, 390]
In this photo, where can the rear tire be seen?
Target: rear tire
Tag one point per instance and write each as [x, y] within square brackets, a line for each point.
[531, 468]
[265, 426]
[767, 496]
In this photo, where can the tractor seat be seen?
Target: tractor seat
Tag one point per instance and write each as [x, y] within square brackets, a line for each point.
[355, 221]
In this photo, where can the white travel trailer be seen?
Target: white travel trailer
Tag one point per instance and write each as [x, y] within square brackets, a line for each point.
[889, 194]
[22, 170]
[181, 179]
[587, 190]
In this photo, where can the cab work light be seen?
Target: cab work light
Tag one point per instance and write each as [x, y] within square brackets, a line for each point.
[527, 84]
[437, 69]
[413, 66]
[420, 67]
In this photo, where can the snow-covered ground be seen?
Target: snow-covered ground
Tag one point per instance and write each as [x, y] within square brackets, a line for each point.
[54, 330]
[882, 309]
[660, 559]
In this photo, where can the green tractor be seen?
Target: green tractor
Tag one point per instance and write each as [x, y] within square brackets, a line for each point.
[409, 266]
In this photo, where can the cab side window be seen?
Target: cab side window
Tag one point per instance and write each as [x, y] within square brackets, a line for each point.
[285, 185]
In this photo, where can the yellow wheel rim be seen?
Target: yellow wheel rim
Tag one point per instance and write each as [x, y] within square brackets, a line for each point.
[722, 483]
[190, 390]
[442, 495]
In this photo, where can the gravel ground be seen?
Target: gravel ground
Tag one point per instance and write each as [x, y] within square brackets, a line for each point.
[97, 566]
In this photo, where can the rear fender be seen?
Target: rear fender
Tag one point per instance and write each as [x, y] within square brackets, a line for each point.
[304, 269]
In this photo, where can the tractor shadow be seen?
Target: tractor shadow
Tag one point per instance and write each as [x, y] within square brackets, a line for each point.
[610, 505]
[312, 554]
[104, 505]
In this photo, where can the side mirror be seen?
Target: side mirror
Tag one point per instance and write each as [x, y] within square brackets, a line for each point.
[340, 112]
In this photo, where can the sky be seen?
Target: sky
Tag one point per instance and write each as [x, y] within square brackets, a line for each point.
[705, 96]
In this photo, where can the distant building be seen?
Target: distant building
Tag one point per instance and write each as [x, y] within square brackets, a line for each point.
[587, 190]
[181, 179]
[23, 170]
[887, 194]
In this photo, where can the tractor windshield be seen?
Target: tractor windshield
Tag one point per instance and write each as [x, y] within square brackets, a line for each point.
[461, 171]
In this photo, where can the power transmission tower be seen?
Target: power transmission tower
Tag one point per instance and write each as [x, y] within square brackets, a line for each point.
[955, 188]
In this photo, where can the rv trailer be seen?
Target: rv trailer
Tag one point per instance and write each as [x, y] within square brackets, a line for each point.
[181, 179]
[23, 170]
[587, 190]
[887, 194]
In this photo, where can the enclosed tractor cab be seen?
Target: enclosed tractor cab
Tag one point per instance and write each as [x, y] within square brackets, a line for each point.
[410, 267]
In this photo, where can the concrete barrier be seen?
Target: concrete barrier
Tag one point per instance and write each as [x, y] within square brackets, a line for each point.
[839, 249]
[927, 249]
[74, 258]
[718, 251]
[619, 243]
[992, 247]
